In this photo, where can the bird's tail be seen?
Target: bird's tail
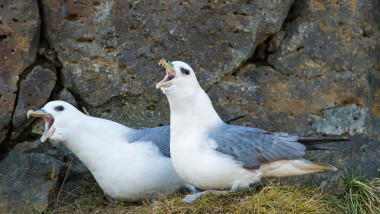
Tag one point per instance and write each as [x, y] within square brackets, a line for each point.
[312, 143]
[287, 168]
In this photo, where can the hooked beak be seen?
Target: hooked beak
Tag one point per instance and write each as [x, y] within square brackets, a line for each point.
[170, 74]
[49, 120]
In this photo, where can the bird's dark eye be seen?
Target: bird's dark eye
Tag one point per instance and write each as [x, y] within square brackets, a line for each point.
[59, 108]
[185, 71]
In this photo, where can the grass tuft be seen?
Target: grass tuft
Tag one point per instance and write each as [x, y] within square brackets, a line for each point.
[272, 198]
[361, 195]
[358, 195]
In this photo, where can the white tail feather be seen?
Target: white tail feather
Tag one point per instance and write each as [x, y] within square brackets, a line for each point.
[286, 168]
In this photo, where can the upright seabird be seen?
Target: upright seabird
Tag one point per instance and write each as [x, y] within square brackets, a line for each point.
[210, 154]
[128, 164]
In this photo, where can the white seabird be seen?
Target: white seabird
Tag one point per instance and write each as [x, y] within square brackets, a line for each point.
[210, 154]
[128, 164]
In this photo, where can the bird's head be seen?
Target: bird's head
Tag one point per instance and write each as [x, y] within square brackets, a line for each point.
[58, 116]
[180, 79]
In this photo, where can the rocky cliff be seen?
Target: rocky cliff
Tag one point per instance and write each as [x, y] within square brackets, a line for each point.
[306, 67]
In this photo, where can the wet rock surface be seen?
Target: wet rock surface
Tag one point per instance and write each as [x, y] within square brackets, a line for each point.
[309, 68]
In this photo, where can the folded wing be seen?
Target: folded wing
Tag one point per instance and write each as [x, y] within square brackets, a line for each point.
[254, 147]
[160, 136]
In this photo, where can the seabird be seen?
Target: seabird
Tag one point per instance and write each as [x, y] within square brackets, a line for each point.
[210, 154]
[128, 164]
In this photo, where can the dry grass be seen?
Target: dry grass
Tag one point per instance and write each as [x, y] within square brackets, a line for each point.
[269, 199]
[358, 195]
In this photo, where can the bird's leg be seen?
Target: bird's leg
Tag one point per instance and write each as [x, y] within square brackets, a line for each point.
[234, 188]
[253, 186]
[195, 196]
[191, 188]
[153, 201]
[111, 200]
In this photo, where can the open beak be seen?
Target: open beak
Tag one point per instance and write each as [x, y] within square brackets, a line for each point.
[170, 74]
[49, 120]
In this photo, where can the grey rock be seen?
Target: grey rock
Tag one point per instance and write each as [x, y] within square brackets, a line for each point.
[49, 54]
[337, 121]
[277, 102]
[313, 84]
[35, 90]
[19, 35]
[328, 36]
[26, 178]
[38, 127]
[65, 95]
[110, 49]
[275, 41]
[28, 172]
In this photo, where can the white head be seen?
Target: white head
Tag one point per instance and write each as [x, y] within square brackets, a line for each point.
[180, 80]
[58, 116]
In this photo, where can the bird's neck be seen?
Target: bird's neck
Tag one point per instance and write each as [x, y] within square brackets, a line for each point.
[195, 111]
[91, 139]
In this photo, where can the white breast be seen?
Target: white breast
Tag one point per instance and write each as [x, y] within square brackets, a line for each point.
[196, 161]
[193, 153]
[132, 171]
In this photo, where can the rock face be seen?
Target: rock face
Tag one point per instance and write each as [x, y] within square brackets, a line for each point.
[321, 79]
[19, 35]
[309, 68]
[35, 90]
[109, 50]
[27, 176]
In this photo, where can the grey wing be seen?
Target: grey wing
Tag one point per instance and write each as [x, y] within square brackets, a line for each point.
[160, 136]
[254, 147]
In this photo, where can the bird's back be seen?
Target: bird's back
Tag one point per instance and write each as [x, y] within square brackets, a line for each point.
[160, 136]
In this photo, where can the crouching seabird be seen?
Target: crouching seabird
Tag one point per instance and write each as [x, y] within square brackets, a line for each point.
[128, 164]
[210, 154]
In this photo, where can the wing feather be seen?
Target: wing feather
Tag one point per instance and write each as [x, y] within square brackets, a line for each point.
[254, 147]
[160, 136]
